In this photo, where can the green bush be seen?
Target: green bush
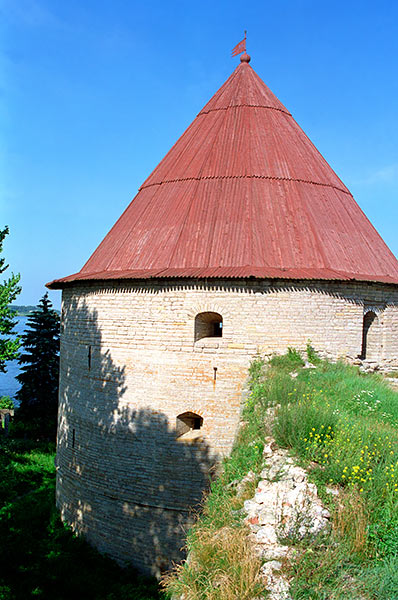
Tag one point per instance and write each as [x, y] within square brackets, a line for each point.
[6, 403]
[312, 355]
[290, 361]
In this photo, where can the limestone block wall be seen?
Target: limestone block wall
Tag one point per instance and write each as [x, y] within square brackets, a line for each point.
[130, 365]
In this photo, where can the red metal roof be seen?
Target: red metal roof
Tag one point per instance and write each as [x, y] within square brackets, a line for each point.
[242, 193]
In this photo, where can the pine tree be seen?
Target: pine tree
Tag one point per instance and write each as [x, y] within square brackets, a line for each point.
[9, 290]
[38, 394]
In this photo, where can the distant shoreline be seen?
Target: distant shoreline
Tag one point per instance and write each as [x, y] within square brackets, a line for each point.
[21, 310]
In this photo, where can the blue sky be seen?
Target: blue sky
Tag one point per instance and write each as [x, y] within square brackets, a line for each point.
[94, 93]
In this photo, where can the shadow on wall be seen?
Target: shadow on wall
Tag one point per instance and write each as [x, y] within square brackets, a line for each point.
[124, 479]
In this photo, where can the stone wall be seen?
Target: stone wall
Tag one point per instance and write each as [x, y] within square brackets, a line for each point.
[130, 365]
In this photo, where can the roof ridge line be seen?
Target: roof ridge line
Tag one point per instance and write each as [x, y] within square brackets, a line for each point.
[271, 177]
[206, 112]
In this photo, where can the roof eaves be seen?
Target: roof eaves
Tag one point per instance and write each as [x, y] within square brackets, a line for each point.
[222, 273]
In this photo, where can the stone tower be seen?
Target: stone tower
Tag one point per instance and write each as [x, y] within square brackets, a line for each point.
[242, 240]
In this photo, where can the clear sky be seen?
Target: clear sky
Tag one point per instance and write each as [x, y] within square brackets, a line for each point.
[95, 92]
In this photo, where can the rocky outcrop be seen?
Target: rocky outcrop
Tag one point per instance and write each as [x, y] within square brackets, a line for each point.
[284, 509]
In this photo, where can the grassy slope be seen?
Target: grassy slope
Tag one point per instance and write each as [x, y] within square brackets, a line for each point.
[342, 426]
[39, 557]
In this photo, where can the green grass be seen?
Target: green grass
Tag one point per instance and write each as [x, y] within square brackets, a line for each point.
[343, 425]
[39, 556]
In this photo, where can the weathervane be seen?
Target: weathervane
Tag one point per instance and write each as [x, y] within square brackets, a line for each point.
[241, 47]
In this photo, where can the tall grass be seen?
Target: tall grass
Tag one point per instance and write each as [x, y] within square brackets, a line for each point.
[222, 566]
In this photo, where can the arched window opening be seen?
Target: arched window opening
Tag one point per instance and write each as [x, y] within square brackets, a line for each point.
[188, 421]
[208, 324]
[371, 335]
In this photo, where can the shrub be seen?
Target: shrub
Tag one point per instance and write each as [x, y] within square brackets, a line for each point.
[312, 355]
[6, 403]
[290, 361]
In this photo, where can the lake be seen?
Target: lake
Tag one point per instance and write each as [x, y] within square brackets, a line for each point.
[8, 384]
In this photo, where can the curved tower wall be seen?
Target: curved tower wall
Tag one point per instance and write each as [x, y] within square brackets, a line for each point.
[130, 365]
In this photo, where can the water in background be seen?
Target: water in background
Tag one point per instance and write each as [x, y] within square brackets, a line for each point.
[8, 384]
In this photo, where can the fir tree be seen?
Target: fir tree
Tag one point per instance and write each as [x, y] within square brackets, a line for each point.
[38, 394]
[9, 290]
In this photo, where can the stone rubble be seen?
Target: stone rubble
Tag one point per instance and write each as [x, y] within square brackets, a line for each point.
[284, 509]
[393, 381]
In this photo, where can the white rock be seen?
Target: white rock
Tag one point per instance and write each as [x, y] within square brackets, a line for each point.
[316, 526]
[275, 469]
[271, 565]
[267, 497]
[297, 474]
[268, 451]
[275, 552]
[280, 590]
[267, 516]
[266, 535]
[303, 530]
[284, 502]
[251, 507]
[276, 584]
[294, 498]
[265, 485]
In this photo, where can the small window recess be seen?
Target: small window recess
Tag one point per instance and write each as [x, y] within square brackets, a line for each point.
[188, 425]
[73, 437]
[208, 324]
[89, 358]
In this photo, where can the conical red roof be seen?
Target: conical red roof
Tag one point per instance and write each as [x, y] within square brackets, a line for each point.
[242, 193]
